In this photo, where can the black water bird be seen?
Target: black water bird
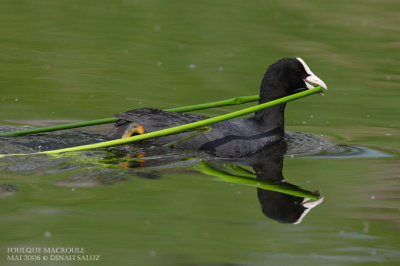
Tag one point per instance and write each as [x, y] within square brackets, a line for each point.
[232, 138]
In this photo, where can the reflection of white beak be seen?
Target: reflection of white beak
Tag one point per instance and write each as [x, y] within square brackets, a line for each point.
[311, 80]
[308, 205]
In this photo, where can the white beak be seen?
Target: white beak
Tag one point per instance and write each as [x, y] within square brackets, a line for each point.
[311, 80]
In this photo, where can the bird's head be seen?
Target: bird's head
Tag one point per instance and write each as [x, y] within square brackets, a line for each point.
[286, 77]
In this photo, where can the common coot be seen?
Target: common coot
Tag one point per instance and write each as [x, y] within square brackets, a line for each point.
[232, 138]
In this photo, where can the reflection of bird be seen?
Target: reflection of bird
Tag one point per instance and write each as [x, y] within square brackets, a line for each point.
[233, 138]
[278, 206]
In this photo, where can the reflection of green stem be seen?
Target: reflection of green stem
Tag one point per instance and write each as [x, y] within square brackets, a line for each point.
[240, 170]
[227, 102]
[248, 181]
[182, 128]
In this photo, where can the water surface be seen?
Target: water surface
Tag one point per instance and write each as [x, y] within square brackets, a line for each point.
[74, 60]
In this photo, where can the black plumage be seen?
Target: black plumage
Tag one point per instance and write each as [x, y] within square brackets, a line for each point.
[232, 138]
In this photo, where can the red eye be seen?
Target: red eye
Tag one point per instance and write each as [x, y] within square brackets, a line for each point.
[297, 69]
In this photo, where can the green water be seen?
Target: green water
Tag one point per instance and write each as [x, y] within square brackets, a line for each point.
[80, 60]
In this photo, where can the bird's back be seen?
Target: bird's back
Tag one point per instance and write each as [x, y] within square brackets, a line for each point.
[232, 138]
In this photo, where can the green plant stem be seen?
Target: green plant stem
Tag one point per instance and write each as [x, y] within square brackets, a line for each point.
[196, 107]
[182, 128]
[227, 102]
[60, 127]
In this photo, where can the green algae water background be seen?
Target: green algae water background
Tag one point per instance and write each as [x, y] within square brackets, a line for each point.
[82, 60]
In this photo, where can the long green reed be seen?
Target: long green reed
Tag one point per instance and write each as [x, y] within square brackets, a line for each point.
[196, 107]
[182, 128]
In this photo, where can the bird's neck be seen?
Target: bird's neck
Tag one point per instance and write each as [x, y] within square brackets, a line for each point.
[272, 119]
